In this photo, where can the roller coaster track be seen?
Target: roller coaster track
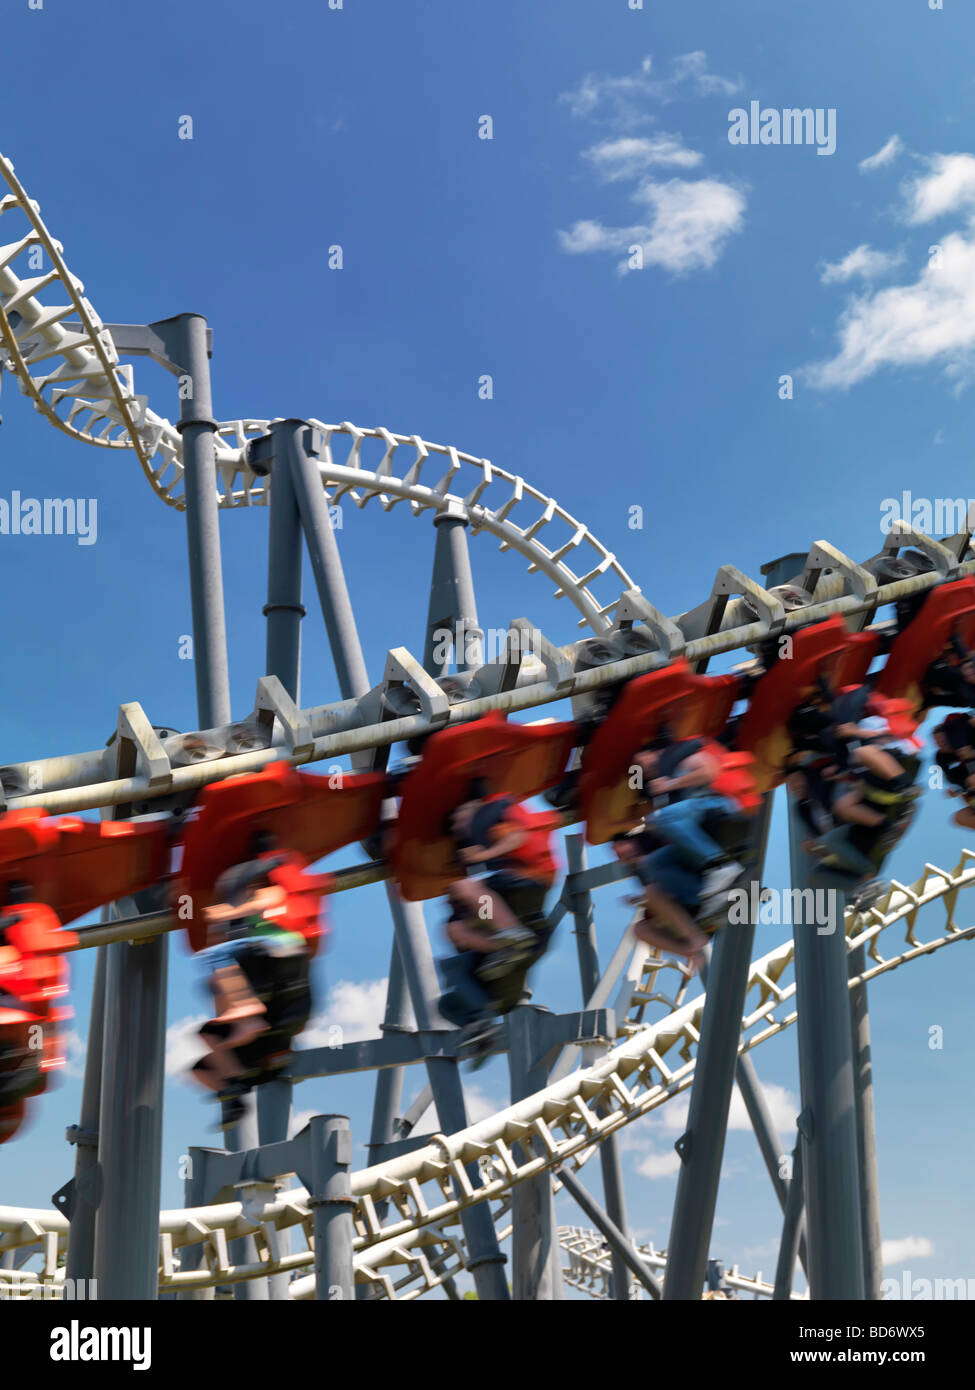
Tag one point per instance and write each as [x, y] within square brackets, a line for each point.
[589, 1266]
[402, 1246]
[67, 363]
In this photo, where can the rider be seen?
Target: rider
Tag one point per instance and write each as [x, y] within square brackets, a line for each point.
[497, 924]
[885, 762]
[260, 982]
[684, 871]
[954, 740]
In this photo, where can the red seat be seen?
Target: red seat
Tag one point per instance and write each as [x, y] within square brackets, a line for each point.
[947, 610]
[675, 698]
[75, 865]
[307, 816]
[825, 649]
[515, 760]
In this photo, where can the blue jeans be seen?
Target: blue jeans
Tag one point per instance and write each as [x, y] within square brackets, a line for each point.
[465, 999]
[663, 869]
[680, 824]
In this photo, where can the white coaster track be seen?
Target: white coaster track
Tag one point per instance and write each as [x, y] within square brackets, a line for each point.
[408, 1250]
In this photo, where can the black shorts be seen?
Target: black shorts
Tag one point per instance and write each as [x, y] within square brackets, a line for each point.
[525, 896]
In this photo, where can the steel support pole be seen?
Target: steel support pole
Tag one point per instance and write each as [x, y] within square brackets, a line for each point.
[452, 618]
[284, 609]
[389, 1080]
[609, 1155]
[701, 1147]
[536, 1274]
[484, 1255]
[197, 427]
[613, 1237]
[873, 1271]
[791, 1229]
[765, 1132]
[130, 1121]
[332, 1206]
[828, 1122]
[81, 1237]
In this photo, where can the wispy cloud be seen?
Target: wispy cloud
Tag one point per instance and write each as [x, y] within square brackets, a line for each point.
[629, 156]
[863, 262]
[352, 1011]
[931, 320]
[624, 100]
[684, 227]
[894, 1252]
[885, 155]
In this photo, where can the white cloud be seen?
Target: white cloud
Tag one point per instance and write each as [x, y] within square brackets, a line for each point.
[299, 1118]
[623, 100]
[863, 261]
[894, 1252]
[949, 186]
[183, 1045]
[480, 1106]
[659, 1165]
[631, 155]
[353, 1011]
[74, 1049]
[929, 321]
[688, 225]
[884, 156]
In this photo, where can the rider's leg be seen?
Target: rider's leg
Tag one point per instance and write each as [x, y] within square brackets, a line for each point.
[681, 824]
[483, 909]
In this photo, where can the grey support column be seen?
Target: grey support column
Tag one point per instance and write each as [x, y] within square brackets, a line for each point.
[873, 1271]
[609, 1154]
[701, 1147]
[284, 609]
[80, 1261]
[332, 1207]
[452, 618]
[188, 340]
[298, 442]
[130, 1120]
[791, 1228]
[768, 1140]
[828, 1123]
[536, 1271]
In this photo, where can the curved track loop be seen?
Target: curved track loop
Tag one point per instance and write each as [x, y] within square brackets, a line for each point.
[404, 1249]
[589, 1267]
[66, 362]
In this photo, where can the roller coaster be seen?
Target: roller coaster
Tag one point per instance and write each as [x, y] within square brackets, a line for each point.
[434, 1207]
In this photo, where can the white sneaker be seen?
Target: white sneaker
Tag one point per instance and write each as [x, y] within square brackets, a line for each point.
[719, 879]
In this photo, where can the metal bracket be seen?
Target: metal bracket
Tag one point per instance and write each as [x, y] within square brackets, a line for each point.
[633, 607]
[403, 669]
[502, 674]
[273, 701]
[823, 556]
[901, 535]
[683, 1146]
[804, 1124]
[139, 748]
[558, 667]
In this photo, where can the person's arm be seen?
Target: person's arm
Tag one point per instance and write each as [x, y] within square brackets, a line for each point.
[701, 772]
[512, 836]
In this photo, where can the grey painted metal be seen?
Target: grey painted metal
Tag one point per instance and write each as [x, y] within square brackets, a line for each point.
[332, 1206]
[81, 1239]
[535, 1276]
[130, 1121]
[186, 338]
[769, 1142]
[300, 445]
[828, 1123]
[873, 1270]
[701, 1147]
[587, 950]
[452, 617]
[613, 1237]
[284, 609]
[791, 1229]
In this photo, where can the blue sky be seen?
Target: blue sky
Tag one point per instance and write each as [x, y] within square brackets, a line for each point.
[657, 388]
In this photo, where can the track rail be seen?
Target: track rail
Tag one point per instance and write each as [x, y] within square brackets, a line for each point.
[408, 1250]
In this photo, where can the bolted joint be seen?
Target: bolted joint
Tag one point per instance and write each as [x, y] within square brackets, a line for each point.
[84, 1138]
